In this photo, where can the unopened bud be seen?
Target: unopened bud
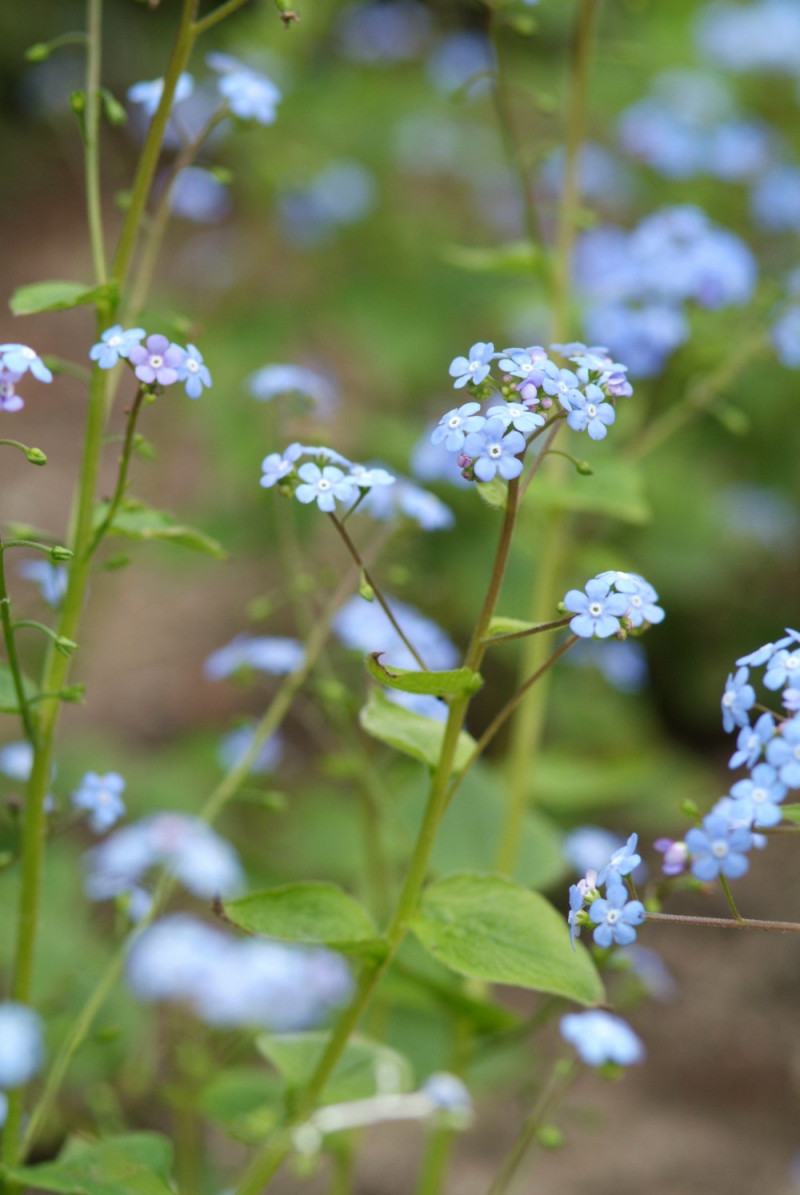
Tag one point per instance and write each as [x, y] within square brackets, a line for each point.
[65, 646]
[77, 102]
[38, 53]
[36, 456]
[59, 552]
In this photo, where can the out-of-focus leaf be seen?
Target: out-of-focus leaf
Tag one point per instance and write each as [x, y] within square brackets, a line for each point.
[616, 488]
[57, 296]
[365, 1068]
[136, 520]
[411, 733]
[131, 1164]
[515, 257]
[318, 913]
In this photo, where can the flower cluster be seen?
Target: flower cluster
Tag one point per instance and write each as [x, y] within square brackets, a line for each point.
[326, 479]
[157, 362]
[614, 916]
[492, 443]
[186, 847]
[638, 283]
[230, 982]
[246, 93]
[273, 654]
[612, 603]
[600, 1038]
[15, 361]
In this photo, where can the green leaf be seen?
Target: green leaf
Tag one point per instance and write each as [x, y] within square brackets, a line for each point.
[8, 694]
[366, 1067]
[494, 493]
[515, 257]
[136, 520]
[246, 1101]
[468, 838]
[411, 733]
[58, 296]
[454, 683]
[311, 912]
[500, 625]
[489, 928]
[132, 1164]
[616, 488]
[791, 813]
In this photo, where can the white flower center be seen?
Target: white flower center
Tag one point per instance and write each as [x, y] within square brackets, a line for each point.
[636, 600]
[719, 849]
[729, 698]
[591, 410]
[454, 421]
[6, 389]
[495, 451]
[473, 365]
[758, 795]
[612, 915]
[156, 362]
[192, 365]
[514, 411]
[114, 341]
[29, 354]
[323, 484]
[792, 663]
[595, 609]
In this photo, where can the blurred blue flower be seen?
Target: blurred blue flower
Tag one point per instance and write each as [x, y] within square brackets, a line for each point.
[764, 36]
[433, 462]
[785, 334]
[718, 849]
[21, 1044]
[392, 31]
[340, 195]
[115, 343]
[650, 968]
[623, 664]
[447, 1092]
[16, 760]
[601, 176]
[274, 380]
[783, 752]
[364, 626]
[599, 1037]
[587, 848]
[51, 579]
[775, 200]
[275, 655]
[250, 95]
[758, 798]
[101, 798]
[149, 93]
[234, 746]
[461, 63]
[19, 359]
[198, 195]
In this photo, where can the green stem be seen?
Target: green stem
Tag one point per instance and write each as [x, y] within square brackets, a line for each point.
[554, 1090]
[122, 476]
[151, 150]
[436, 1161]
[781, 927]
[269, 1161]
[13, 659]
[92, 137]
[219, 14]
[27, 451]
[726, 888]
[382, 602]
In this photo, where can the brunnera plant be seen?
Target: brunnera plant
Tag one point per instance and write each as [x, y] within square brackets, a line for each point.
[285, 979]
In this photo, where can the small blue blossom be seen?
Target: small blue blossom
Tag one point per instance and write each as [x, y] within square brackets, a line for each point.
[455, 426]
[525, 364]
[640, 594]
[676, 856]
[472, 369]
[250, 95]
[234, 746]
[589, 847]
[16, 760]
[148, 93]
[561, 384]
[51, 579]
[616, 916]
[274, 380]
[275, 655]
[364, 626]
[115, 343]
[515, 415]
[193, 372]
[718, 849]
[576, 899]
[751, 741]
[19, 359]
[784, 669]
[791, 700]
[623, 861]
[597, 611]
[783, 752]
[447, 1093]
[324, 486]
[599, 1037]
[494, 450]
[21, 1045]
[588, 412]
[409, 499]
[101, 798]
[275, 467]
[758, 798]
[738, 698]
[10, 401]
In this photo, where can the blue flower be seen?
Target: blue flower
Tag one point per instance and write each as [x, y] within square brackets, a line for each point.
[250, 95]
[494, 450]
[193, 372]
[447, 1093]
[623, 861]
[21, 1044]
[758, 798]
[751, 741]
[600, 1037]
[738, 698]
[588, 412]
[149, 93]
[10, 401]
[275, 655]
[615, 917]
[641, 596]
[366, 477]
[775, 200]
[576, 899]
[156, 361]
[783, 752]
[561, 384]
[515, 415]
[273, 380]
[455, 426]
[364, 626]
[525, 364]
[235, 745]
[115, 343]
[597, 611]
[275, 467]
[472, 369]
[324, 486]
[19, 359]
[718, 849]
[784, 669]
[16, 760]
[589, 847]
[51, 579]
[101, 798]
[785, 335]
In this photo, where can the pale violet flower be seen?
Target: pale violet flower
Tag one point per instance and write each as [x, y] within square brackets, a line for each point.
[19, 359]
[101, 798]
[474, 368]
